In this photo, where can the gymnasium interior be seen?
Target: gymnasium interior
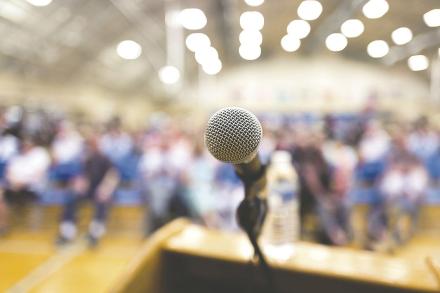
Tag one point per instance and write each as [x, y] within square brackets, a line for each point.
[107, 182]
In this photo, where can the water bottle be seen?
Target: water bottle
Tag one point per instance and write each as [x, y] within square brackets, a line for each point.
[281, 228]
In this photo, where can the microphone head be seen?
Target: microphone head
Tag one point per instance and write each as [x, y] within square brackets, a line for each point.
[233, 135]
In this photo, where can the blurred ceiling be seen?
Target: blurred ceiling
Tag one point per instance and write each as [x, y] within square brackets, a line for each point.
[75, 40]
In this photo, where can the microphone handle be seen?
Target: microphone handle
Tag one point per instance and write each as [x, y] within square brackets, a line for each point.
[253, 176]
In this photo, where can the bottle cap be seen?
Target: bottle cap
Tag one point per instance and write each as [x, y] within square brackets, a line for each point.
[281, 157]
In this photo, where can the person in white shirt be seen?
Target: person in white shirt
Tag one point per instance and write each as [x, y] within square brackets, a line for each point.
[159, 180]
[374, 144]
[27, 170]
[24, 178]
[404, 186]
[200, 190]
[66, 150]
[423, 141]
[67, 144]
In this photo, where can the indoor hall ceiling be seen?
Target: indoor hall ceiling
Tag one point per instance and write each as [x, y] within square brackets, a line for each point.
[76, 39]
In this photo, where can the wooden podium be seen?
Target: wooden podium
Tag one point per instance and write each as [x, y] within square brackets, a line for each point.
[183, 257]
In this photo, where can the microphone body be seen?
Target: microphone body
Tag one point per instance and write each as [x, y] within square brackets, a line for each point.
[233, 136]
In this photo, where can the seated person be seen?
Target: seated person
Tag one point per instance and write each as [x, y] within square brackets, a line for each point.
[97, 182]
[404, 185]
[373, 148]
[25, 174]
[316, 194]
[26, 171]
[66, 150]
[161, 181]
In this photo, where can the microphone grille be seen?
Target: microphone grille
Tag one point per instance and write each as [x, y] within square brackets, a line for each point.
[233, 135]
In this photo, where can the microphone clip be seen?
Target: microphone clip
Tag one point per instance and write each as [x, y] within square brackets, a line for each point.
[251, 214]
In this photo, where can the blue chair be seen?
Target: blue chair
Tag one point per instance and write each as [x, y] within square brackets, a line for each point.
[433, 166]
[365, 195]
[128, 167]
[129, 191]
[433, 196]
[371, 171]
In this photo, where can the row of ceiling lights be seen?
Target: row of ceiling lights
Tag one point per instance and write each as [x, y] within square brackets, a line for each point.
[402, 36]
[251, 38]
[251, 22]
[299, 29]
[310, 10]
[199, 43]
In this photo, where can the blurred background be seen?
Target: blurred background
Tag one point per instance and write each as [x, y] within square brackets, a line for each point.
[103, 106]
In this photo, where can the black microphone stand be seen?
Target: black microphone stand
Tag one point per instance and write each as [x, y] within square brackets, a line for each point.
[251, 214]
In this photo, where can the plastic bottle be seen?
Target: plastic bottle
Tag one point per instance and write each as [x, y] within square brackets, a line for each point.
[281, 228]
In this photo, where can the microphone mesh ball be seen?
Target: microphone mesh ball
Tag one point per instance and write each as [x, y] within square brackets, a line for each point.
[233, 135]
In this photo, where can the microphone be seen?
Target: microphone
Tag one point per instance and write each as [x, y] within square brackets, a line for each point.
[233, 135]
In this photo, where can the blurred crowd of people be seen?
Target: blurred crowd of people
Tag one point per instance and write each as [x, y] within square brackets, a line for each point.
[341, 161]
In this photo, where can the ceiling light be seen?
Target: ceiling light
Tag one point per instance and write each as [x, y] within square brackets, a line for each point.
[39, 3]
[432, 18]
[336, 42]
[375, 8]
[290, 43]
[254, 2]
[378, 49]
[206, 55]
[251, 20]
[212, 67]
[309, 9]
[197, 41]
[298, 28]
[352, 28]
[249, 52]
[129, 50]
[251, 37]
[169, 74]
[401, 36]
[192, 18]
[418, 62]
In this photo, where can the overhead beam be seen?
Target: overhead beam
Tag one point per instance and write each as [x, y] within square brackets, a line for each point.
[418, 44]
[435, 81]
[226, 19]
[332, 23]
[134, 15]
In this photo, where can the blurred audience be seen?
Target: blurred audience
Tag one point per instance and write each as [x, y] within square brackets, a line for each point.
[341, 160]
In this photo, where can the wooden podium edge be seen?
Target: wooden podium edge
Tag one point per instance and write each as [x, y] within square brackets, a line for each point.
[142, 273]
[435, 269]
